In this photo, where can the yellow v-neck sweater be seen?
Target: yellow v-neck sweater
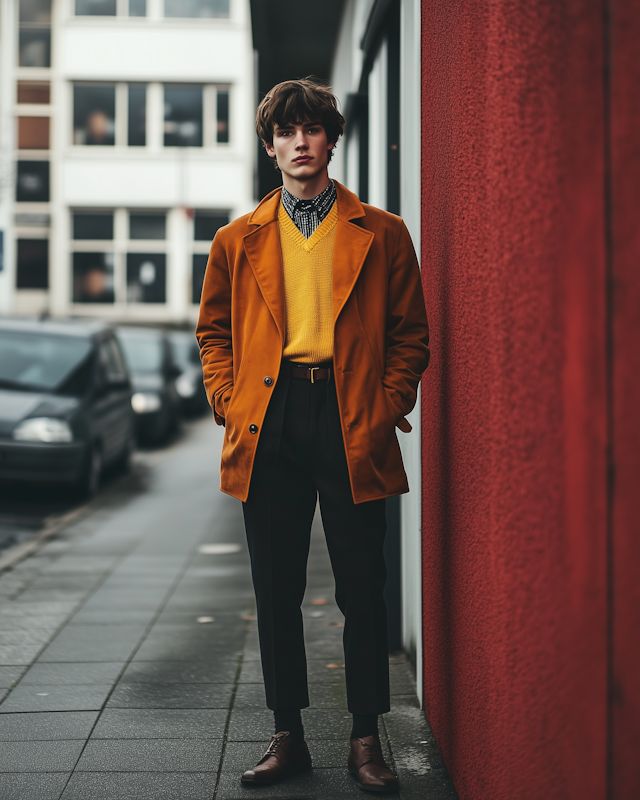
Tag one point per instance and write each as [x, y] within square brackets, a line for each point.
[308, 269]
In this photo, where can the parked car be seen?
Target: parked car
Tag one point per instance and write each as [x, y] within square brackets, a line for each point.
[65, 402]
[189, 385]
[155, 400]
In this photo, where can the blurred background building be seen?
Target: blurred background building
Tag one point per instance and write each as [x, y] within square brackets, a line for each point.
[125, 142]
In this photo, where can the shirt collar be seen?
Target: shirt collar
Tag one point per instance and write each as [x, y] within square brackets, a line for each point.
[321, 203]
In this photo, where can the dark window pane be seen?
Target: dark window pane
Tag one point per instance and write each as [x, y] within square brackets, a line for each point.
[33, 133]
[34, 47]
[183, 116]
[222, 131]
[137, 8]
[137, 116]
[35, 11]
[94, 114]
[147, 226]
[32, 182]
[197, 275]
[93, 278]
[95, 8]
[215, 9]
[92, 226]
[32, 92]
[33, 264]
[207, 223]
[146, 277]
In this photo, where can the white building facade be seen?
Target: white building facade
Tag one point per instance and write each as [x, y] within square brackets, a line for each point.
[127, 140]
[376, 76]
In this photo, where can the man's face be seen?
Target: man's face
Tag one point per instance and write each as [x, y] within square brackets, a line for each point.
[302, 151]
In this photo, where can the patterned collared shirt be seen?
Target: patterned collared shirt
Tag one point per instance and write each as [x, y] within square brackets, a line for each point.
[308, 214]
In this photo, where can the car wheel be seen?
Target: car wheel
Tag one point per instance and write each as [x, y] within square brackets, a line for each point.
[89, 481]
[123, 464]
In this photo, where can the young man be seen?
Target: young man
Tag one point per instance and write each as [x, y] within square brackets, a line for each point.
[313, 338]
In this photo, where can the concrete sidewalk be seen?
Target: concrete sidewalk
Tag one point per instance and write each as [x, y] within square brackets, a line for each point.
[129, 657]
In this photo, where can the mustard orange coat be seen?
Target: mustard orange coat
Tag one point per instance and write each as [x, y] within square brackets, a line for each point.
[380, 338]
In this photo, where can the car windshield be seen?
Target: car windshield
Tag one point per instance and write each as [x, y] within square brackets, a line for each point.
[184, 349]
[39, 362]
[143, 353]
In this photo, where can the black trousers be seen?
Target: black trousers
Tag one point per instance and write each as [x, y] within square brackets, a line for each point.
[301, 456]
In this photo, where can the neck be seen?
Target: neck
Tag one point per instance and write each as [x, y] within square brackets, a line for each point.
[306, 189]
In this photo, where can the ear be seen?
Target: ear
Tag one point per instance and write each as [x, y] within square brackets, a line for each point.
[270, 150]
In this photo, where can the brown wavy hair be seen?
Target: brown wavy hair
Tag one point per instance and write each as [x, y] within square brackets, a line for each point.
[297, 102]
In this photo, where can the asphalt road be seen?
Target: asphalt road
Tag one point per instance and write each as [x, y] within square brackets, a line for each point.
[129, 658]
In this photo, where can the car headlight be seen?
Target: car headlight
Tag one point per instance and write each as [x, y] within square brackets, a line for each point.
[43, 429]
[145, 402]
[185, 386]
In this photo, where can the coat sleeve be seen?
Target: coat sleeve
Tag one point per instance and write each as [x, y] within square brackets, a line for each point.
[407, 331]
[213, 330]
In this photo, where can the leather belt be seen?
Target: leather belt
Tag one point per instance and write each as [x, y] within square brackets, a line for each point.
[308, 373]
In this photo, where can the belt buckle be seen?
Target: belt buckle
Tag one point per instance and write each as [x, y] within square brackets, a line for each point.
[312, 370]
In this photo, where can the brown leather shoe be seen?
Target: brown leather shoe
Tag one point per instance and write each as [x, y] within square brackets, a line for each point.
[368, 766]
[285, 756]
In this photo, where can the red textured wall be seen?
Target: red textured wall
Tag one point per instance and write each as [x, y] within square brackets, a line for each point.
[517, 403]
[625, 369]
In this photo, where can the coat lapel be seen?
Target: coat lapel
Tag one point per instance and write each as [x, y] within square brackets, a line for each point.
[263, 251]
[350, 249]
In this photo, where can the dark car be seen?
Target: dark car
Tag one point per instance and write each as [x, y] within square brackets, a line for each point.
[155, 399]
[189, 385]
[65, 402]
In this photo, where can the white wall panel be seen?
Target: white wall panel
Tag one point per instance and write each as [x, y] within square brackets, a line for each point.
[154, 54]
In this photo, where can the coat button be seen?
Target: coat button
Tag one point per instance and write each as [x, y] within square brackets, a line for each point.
[268, 381]
[253, 428]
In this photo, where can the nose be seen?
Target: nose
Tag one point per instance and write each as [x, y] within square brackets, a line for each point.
[301, 141]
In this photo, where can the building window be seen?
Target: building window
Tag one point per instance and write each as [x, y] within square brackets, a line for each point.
[146, 277]
[34, 92]
[211, 9]
[183, 116]
[94, 114]
[87, 226]
[95, 8]
[205, 225]
[32, 185]
[222, 111]
[93, 278]
[137, 8]
[137, 111]
[34, 46]
[147, 226]
[33, 133]
[33, 264]
[198, 268]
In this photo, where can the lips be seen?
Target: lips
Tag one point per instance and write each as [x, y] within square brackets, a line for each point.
[301, 159]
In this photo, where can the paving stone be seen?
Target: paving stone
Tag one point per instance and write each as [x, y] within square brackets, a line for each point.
[170, 695]
[140, 785]
[94, 643]
[180, 672]
[18, 623]
[46, 726]
[120, 723]
[9, 676]
[42, 608]
[55, 698]
[32, 786]
[110, 616]
[26, 636]
[59, 756]
[72, 674]
[16, 655]
[318, 784]
[151, 755]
